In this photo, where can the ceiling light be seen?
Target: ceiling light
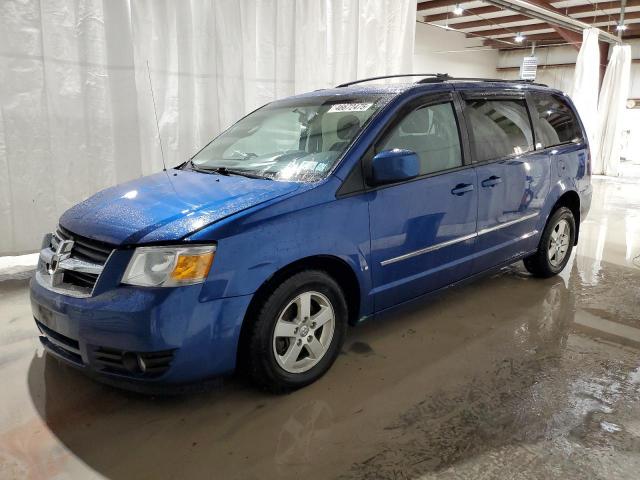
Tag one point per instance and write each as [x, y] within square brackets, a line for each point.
[519, 38]
[458, 10]
[621, 27]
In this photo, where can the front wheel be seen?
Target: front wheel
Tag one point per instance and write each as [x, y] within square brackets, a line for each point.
[298, 332]
[555, 245]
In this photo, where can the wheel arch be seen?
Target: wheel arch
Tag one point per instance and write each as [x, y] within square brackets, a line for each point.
[571, 200]
[334, 266]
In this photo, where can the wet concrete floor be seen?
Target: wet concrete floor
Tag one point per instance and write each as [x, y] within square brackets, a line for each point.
[508, 377]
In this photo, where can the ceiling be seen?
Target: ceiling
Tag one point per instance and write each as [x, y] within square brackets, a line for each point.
[498, 27]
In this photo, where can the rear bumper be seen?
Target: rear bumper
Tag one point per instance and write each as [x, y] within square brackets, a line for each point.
[180, 337]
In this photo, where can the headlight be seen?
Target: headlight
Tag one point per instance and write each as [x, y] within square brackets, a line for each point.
[169, 266]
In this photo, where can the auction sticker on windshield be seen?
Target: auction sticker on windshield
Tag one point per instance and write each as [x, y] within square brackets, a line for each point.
[350, 107]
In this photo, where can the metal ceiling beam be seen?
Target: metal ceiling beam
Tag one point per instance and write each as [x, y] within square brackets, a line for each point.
[509, 31]
[467, 13]
[540, 26]
[489, 22]
[554, 18]
[571, 36]
[623, 6]
[436, 4]
[551, 36]
[595, 8]
[552, 39]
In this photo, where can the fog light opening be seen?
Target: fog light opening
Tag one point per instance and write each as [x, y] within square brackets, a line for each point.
[130, 362]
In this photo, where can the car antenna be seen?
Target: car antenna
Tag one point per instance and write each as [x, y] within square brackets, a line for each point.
[155, 112]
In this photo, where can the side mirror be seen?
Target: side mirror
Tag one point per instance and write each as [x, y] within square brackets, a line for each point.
[390, 166]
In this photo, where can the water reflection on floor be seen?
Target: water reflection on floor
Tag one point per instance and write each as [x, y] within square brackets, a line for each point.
[509, 377]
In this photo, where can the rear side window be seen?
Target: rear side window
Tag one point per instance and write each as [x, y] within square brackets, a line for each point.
[498, 128]
[557, 123]
[432, 133]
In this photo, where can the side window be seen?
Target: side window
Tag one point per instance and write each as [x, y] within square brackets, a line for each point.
[432, 133]
[557, 123]
[498, 128]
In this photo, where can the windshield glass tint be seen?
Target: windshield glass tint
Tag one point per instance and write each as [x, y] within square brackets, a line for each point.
[296, 140]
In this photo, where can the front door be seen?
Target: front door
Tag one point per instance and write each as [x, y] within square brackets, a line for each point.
[423, 230]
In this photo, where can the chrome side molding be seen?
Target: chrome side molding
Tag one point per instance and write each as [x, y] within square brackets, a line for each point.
[422, 251]
[507, 224]
[464, 238]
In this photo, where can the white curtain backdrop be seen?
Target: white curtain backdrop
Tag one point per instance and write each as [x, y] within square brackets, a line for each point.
[75, 107]
[613, 97]
[586, 81]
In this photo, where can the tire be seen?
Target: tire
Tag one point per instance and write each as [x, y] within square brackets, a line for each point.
[301, 350]
[546, 262]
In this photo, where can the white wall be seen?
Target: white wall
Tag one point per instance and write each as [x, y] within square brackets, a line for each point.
[631, 135]
[562, 77]
[442, 51]
[556, 77]
[76, 114]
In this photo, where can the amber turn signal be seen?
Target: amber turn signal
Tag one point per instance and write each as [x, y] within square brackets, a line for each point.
[191, 268]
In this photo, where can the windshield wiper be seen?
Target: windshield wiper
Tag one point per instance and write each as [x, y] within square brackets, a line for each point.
[228, 171]
[195, 168]
[244, 173]
[225, 171]
[207, 171]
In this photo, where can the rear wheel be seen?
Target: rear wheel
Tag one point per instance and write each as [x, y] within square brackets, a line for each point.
[555, 245]
[298, 332]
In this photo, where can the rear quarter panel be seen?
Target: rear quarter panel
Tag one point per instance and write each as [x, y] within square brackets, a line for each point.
[568, 173]
[570, 169]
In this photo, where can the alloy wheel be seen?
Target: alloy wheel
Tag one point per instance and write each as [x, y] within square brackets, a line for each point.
[303, 332]
[559, 242]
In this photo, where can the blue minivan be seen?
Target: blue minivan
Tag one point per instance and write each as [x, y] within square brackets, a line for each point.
[310, 214]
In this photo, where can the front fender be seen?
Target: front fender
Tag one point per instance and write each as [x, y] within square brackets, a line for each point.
[253, 247]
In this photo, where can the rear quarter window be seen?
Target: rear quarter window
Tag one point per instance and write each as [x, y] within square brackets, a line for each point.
[557, 124]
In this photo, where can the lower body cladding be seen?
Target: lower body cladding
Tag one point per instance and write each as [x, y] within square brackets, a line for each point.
[144, 336]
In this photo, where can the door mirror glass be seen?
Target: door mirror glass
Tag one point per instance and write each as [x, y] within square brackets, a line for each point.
[390, 166]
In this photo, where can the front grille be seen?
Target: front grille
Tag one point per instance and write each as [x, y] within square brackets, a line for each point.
[138, 364]
[87, 280]
[61, 344]
[71, 264]
[84, 248]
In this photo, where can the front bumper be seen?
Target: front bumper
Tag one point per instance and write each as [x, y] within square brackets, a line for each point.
[184, 335]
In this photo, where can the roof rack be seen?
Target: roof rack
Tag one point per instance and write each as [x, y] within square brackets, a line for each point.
[439, 77]
[370, 79]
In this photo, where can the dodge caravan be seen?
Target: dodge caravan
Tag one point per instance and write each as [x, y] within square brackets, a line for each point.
[310, 214]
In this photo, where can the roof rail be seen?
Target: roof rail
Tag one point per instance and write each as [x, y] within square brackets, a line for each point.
[382, 77]
[446, 77]
[439, 77]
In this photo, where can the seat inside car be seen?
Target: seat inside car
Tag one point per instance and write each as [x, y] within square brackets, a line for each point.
[348, 126]
[436, 147]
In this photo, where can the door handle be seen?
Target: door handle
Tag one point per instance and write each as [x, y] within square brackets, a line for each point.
[462, 188]
[492, 181]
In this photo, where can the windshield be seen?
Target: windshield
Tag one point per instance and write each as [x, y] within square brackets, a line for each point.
[290, 140]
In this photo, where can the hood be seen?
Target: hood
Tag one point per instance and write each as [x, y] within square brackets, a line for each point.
[167, 206]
